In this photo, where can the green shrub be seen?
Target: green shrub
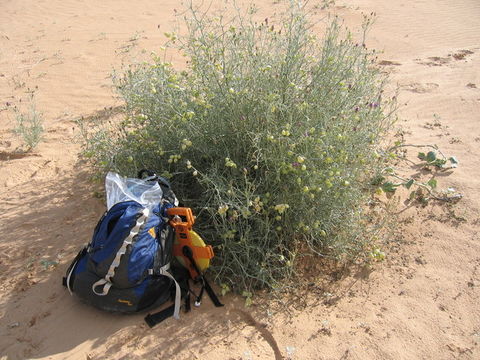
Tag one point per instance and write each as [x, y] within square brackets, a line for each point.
[29, 126]
[270, 135]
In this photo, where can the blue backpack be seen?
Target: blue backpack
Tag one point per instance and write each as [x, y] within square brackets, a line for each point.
[128, 265]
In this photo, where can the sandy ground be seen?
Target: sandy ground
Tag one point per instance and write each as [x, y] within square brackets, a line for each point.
[421, 303]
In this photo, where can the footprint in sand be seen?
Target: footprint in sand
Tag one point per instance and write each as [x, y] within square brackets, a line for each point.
[389, 63]
[435, 61]
[461, 54]
[420, 88]
[6, 156]
[439, 61]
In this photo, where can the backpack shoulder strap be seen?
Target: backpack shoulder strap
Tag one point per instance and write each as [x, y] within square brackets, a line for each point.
[106, 282]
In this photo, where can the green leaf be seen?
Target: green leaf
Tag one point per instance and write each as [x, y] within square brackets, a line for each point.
[247, 294]
[431, 156]
[439, 163]
[454, 161]
[409, 183]
[389, 187]
[225, 289]
[421, 156]
[412, 195]
[377, 180]
[432, 183]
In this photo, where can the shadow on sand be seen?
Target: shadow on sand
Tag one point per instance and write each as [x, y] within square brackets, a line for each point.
[41, 319]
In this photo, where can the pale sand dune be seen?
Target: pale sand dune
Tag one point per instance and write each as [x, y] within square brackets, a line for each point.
[422, 303]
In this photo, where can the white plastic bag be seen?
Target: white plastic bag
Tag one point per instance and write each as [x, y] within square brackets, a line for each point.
[119, 189]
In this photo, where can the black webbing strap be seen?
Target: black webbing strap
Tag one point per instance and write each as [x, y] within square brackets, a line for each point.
[187, 251]
[212, 294]
[158, 317]
[154, 319]
[187, 302]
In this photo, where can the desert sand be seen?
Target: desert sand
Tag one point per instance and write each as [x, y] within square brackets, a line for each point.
[422, 302]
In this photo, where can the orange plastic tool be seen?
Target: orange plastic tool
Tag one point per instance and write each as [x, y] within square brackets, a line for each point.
[182, 221]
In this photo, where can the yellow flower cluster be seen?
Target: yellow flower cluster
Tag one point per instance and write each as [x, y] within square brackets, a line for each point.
[281, 208]
[230, 163]
[188, 115]
[171, 36]
[222, 210]
[186, 143]
[174, 158]
[257, 204]
[230, 234]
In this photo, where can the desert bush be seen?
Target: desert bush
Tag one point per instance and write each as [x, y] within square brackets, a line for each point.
[29, 126]
[270, 134]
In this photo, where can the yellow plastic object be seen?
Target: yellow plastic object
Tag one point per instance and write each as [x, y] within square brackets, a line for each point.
[197, 241]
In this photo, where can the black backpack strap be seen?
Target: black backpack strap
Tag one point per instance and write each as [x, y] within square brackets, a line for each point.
[168, 193]
[158, 317]
[182, 277]
[211, 293]
[187, 302]
[67, 278]
[183, 280]
[187, 251]
[147, 172]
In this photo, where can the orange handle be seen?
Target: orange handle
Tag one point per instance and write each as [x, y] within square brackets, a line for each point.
[183, 213]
